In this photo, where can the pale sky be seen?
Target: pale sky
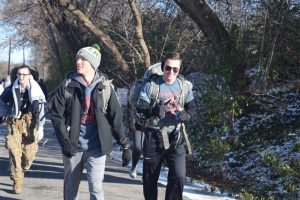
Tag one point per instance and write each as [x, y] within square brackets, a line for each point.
[16, 55]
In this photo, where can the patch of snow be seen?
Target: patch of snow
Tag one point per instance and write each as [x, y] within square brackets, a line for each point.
[193, 190]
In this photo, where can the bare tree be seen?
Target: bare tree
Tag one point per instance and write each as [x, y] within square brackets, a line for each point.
[208, 22]
[139, 31]
[95, 30]
[29, 29]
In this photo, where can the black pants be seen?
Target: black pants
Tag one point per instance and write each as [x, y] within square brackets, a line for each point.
[154, 155]
[137, 147]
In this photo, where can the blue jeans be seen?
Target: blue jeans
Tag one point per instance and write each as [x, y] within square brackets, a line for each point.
[73, 168]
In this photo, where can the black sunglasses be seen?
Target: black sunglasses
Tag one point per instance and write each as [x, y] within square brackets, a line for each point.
[175, 69]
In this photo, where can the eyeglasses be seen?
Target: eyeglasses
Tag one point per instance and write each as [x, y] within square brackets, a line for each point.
[19, 74]
[175, 69]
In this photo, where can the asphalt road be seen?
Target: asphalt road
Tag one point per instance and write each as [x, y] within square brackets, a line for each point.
[44, 181]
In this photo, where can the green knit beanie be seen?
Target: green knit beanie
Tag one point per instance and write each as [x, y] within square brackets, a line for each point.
[91, 54]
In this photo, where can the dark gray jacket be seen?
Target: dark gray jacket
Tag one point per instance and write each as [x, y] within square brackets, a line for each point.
[65, 115]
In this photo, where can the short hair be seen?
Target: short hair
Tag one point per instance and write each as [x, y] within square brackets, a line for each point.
[13, 74]
[172, 56]
[32, 70]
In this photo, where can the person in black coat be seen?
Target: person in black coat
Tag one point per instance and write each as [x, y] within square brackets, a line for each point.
[85, 113]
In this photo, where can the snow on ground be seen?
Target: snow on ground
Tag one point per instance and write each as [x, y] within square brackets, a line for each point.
[193, 191]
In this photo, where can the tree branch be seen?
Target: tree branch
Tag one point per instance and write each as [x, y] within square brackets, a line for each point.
[106, 40]
[139, 31]
[208, 22]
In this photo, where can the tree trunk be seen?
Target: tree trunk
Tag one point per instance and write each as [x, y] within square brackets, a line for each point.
[62, 28]
[97, 32]
[209, 23]
[139, 31]
[213, 28]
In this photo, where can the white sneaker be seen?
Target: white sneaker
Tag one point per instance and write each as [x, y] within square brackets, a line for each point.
[132, 173]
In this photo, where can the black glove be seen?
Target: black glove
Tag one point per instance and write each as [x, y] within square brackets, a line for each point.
[30, 137]
[158, 111]
[126, 155]
[35, 108]
[68, 149]
[184, 116]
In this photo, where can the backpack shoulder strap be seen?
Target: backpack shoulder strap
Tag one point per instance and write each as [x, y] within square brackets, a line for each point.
[154, 90]
[106, 92]
[67, 93]
[184, 85]
[134, 91]
[184, 89]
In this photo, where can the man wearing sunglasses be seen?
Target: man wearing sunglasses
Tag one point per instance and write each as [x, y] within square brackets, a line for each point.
[22, 105]
[163, 115]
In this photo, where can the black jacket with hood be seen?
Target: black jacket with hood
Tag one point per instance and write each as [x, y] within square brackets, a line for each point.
[65, 114]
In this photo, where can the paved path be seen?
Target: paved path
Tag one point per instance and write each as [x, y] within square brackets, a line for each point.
[44, 181]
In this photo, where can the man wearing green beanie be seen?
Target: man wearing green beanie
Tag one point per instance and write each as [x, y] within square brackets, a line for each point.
[85, 113]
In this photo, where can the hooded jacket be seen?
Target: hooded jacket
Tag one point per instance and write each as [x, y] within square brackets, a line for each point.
[10, 102]
[65, 114]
